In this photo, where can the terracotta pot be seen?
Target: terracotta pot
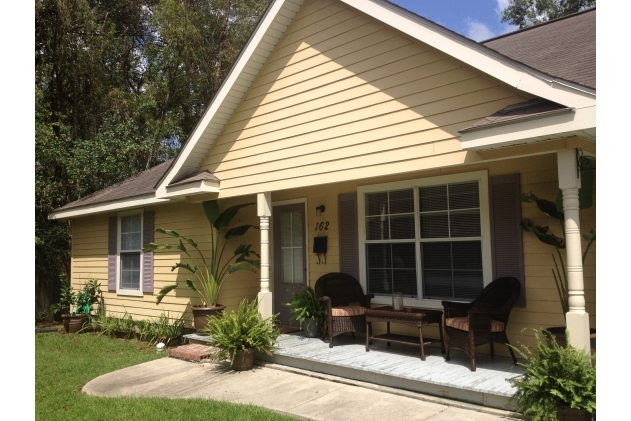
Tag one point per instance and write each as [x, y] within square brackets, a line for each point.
[73, 323]
[572, 414]
[243, 360]
[311, 329]
[559, 334]
[201, 315]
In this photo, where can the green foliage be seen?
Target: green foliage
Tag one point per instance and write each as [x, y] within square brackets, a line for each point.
[162, 329]
[555, 210]
[555, 376]
[212, 273]
[65, 363]
[525, 13]
[82, 302]
[243, 329]
[119, 87]
[304, 304]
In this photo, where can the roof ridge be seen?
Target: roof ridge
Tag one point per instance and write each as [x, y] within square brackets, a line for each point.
[538, 25]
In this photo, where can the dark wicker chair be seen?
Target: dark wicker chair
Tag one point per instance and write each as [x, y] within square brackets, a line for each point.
[345, 303]
[483, 321]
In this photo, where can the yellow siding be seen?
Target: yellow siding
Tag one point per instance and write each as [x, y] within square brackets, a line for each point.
[343, 97]
[89, 260]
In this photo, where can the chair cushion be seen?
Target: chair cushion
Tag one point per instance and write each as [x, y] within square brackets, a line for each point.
[462, 323]
[347, 311]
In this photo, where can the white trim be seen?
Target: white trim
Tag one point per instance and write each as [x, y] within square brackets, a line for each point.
[485, 227]
[121, 204]
[580, 123]
[119, 290]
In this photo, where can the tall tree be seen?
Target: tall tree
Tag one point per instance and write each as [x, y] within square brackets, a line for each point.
[525, 13]
[119, 87]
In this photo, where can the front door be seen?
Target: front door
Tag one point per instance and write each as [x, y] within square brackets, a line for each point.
[290, 261]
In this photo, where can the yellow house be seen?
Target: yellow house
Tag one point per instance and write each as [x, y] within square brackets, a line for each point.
[403, 143]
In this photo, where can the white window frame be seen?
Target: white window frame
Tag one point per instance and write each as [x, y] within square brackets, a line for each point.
[485, 227]
[119, 290]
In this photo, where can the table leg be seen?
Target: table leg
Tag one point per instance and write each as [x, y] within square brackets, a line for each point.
[388, 331]
[367, 336]
[420, 334]
[442, 341]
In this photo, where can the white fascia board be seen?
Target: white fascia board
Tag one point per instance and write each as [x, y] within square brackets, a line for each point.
[519, 132]
[117, 205]
[192, 188]
[476, 55]
[221, 95]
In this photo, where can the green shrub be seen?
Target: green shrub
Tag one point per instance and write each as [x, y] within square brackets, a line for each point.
[555, 376]
[304, 304]
[243, 329]
[153, 331]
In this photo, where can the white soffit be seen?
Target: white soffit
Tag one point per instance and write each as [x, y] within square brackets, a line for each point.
[580, 123]
[279, 14]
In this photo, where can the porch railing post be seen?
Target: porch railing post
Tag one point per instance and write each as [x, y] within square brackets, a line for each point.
[577, 319]
[264, 211]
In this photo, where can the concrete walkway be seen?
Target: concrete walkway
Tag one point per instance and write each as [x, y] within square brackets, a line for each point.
[302, 394]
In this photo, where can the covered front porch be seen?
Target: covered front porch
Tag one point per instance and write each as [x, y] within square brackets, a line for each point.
[399, 366]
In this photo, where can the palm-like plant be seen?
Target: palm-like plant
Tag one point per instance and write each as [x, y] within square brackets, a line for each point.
[211, 273]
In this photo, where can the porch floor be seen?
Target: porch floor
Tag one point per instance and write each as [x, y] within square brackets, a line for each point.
[399, 366]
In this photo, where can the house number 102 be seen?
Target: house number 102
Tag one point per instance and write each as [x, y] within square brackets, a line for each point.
[322, 226]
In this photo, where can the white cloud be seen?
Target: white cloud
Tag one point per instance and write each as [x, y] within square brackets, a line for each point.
[506, 27]
[501, 5]
[478, 31]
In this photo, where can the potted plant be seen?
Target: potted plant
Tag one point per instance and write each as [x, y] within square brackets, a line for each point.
[238, 334]
[211, 272]
[308, 310]
[555, 210]
[559, 383]
[78, 304]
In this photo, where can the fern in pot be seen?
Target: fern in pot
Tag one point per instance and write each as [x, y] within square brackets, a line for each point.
[239, 334]
[307, 310]
[559, 383]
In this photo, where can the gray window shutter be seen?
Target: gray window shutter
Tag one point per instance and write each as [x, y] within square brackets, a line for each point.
[147, 256]
[112, 248]
[506, 235]
[349, 252]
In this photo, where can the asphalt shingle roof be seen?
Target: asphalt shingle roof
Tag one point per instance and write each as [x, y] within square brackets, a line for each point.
[564, 48]
[143, 183]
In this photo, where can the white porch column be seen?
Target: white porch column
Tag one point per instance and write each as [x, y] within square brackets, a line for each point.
[264, 211]
[577, 319]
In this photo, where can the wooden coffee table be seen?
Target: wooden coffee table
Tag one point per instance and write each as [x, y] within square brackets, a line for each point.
[417, 317]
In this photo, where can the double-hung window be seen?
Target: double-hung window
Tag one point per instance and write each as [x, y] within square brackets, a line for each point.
[129, 254]
[428, 238]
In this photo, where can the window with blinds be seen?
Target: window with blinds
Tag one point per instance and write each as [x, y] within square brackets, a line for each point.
[424, 241]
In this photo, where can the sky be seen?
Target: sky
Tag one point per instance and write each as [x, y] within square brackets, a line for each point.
[475, 19]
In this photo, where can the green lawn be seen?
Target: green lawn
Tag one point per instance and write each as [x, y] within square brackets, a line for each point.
[65, 363]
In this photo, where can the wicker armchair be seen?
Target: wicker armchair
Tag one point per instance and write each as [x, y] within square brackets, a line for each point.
[345, 303]
[469, 325]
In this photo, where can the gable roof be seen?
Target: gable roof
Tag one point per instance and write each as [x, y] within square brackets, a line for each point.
[554, 83]
[564, 48]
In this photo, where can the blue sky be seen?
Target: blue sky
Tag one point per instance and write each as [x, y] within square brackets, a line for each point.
[475, 19]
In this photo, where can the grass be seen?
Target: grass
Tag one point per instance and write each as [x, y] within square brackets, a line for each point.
[65, 363]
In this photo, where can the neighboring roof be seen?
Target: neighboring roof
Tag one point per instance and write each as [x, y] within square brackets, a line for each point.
[142, 184]
[519, 112]
[564, 48]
